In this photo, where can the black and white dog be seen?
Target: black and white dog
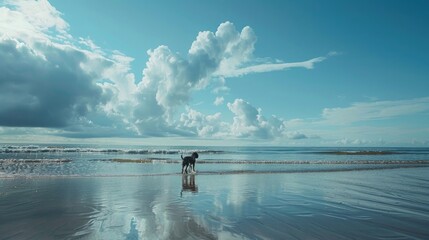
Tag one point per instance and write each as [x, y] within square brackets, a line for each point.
[189, 160]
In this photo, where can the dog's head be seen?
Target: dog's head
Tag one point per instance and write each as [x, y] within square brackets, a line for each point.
[195, 155]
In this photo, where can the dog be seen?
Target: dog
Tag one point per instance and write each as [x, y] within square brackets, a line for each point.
[189, 161]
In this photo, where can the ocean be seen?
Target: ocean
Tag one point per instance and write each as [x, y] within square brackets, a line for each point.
[138, 192]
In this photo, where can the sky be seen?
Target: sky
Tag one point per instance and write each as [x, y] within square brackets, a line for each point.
[283, 73]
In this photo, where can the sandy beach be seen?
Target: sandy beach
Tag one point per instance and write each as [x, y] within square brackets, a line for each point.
[375, 204]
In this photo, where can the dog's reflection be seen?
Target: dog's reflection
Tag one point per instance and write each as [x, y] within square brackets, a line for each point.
[188, 184]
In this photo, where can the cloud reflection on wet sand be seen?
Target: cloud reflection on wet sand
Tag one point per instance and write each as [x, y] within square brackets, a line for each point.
[336, 205]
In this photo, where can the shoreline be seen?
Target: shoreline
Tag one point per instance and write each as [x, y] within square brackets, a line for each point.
[213, 173]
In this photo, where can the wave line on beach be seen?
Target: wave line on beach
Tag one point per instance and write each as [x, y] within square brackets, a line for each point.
[4, 175]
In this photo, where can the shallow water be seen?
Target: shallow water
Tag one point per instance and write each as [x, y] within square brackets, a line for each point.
[88, 160]
[379, 204]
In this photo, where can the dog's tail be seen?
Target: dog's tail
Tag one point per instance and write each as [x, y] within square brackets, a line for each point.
[181, 156]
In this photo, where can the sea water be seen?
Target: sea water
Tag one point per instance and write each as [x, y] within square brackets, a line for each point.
[96, 160]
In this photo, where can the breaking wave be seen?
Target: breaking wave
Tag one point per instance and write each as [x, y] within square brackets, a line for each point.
[360, 152]
[59, 149]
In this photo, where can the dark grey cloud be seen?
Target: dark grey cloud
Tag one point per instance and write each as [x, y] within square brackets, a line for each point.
[44, 86]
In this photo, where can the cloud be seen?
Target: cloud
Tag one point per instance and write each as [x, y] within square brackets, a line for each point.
[334, 53]
[368, 111]
[43, 90]
[249, 122]
[359, 142]
[203, 125]
[269, 67]
[169, 79]
[218, 101]
[296, 135]
[375, 123]
[18, 19]
[47, 78]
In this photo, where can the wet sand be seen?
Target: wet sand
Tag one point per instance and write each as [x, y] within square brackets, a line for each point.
[376, 204]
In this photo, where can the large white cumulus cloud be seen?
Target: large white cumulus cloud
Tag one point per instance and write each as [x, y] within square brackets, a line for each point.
[169, 79]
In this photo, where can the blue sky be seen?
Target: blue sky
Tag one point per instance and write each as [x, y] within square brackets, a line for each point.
[290, 73]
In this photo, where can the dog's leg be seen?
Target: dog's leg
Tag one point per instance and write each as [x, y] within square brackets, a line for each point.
[192, 167]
